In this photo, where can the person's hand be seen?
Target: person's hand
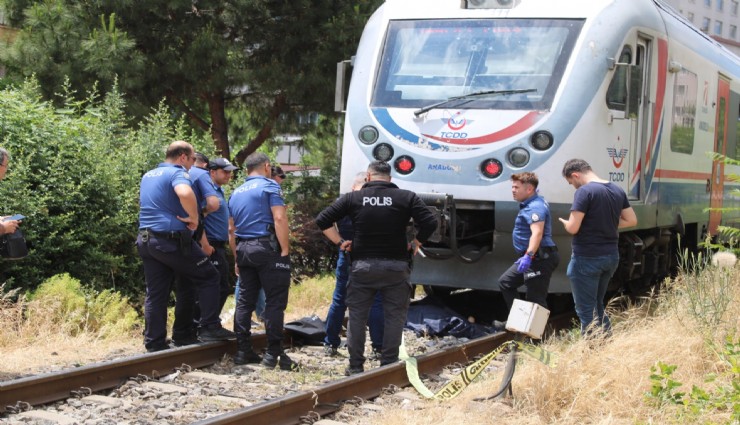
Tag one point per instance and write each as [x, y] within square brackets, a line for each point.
[523, 263]
[9, 226]
[208, 249]
[236, 269]
[191, 223]
[346, 246]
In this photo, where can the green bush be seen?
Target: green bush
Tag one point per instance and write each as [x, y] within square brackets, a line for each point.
[74, 173]
[61, 301]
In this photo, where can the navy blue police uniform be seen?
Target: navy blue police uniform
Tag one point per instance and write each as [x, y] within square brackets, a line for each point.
[533, 210]
[217, 233]
[258, 256]
[167, 250]
[187, 310]
[381, 261]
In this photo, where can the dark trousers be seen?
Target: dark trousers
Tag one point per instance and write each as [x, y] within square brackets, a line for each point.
[369, 277]
[221, 263]
[163, 261]
[260, 266]
[537, 279]
[335, 316]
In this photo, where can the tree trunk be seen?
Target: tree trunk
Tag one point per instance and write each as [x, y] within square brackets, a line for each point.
[279, 106]
[219, 127]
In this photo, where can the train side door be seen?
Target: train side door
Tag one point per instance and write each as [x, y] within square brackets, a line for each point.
[717, 184]
[641, 110]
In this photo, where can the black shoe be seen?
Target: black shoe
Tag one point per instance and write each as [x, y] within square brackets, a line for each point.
[244, 357]
[188, 340]
[353, 370]
[282, 360]
[215, 334]
[155, 348]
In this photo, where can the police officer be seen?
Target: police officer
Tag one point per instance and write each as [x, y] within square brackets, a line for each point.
[532, 237]
[260, 229]
[217, 224]
[380, 212]
[187, 311]
[168, 215]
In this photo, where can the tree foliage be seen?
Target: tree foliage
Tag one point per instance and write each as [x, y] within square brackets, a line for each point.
[272, 57]
[75, 173]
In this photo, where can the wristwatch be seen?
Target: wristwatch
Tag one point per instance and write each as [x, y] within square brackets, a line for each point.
[341, 241]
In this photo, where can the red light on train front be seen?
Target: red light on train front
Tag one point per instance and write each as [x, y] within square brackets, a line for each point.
[491, 168]
[404, 164]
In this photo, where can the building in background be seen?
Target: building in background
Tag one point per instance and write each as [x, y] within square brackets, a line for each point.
[717, 18]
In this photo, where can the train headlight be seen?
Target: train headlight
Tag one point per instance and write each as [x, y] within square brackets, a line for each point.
[404, 164]
[518, 157]
[368, 135]
[491, 168]
[542, 140]
[383, 152]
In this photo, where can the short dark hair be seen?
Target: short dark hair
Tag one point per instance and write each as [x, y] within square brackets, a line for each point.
[379, 168]
[177, 148]
[255, 160]
[526, 178]
[200, 157]
[4, 154]
[575, 166]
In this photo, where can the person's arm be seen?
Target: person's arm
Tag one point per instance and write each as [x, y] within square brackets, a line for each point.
[573, 223]
[538, 229]
[627, 218]
[187, 199]
[232, 242]
[212, 204]
[205, 246]
[333, 235]
[280, 216]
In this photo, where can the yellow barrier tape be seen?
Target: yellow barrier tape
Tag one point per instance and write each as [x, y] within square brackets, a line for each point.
[453, 388]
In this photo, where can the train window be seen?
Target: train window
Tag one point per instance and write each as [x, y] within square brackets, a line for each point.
[616, 94]
[685, 88]
[428, 61]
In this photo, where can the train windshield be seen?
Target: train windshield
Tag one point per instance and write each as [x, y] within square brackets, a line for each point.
[430, 61]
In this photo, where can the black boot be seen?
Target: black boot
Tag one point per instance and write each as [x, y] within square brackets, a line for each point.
[276, 356]
[245, 354]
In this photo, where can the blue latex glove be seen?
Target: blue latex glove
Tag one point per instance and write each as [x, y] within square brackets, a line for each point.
[523, 263]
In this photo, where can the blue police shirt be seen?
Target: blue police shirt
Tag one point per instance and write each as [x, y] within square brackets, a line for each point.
[250, 206]
[159, 205]
[217, 222]
[202, 185]
[532, 210]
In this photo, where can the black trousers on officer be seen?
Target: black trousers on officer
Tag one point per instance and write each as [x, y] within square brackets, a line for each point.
[163, 261]
[221, 263]
[261, 266]
[367, 278]
[537, 279]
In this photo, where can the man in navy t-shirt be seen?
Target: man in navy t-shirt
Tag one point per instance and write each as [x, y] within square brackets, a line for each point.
[599, 209]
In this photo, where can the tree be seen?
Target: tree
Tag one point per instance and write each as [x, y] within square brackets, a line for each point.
[272, 57]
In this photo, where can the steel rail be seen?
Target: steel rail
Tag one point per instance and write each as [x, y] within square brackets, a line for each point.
[328, 398]
[55, 386]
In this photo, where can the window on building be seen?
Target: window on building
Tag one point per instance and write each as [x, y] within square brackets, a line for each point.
[708, 3]
[733, 7]
[690, 17]
[720, 5]
[718, 27]
[733, 32]
[705, 24]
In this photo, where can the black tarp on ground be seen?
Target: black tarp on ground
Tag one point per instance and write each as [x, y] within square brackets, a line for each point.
[431, 317]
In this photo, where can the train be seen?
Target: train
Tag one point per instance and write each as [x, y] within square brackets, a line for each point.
[458, 95]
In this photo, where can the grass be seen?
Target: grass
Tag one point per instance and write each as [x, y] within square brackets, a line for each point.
[673, 358]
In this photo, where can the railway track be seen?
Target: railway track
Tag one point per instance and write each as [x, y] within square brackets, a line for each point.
[126, 377]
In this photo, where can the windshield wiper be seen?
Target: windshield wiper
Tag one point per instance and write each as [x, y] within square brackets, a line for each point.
[468, 97]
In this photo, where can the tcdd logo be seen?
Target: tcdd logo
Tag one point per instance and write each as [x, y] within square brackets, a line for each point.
[456, 122]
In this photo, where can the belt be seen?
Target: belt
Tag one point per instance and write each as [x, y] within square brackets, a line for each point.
[166, 235]
[259, 239]
[217, 244]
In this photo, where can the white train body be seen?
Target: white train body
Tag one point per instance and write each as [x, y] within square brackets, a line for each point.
[627, 85]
